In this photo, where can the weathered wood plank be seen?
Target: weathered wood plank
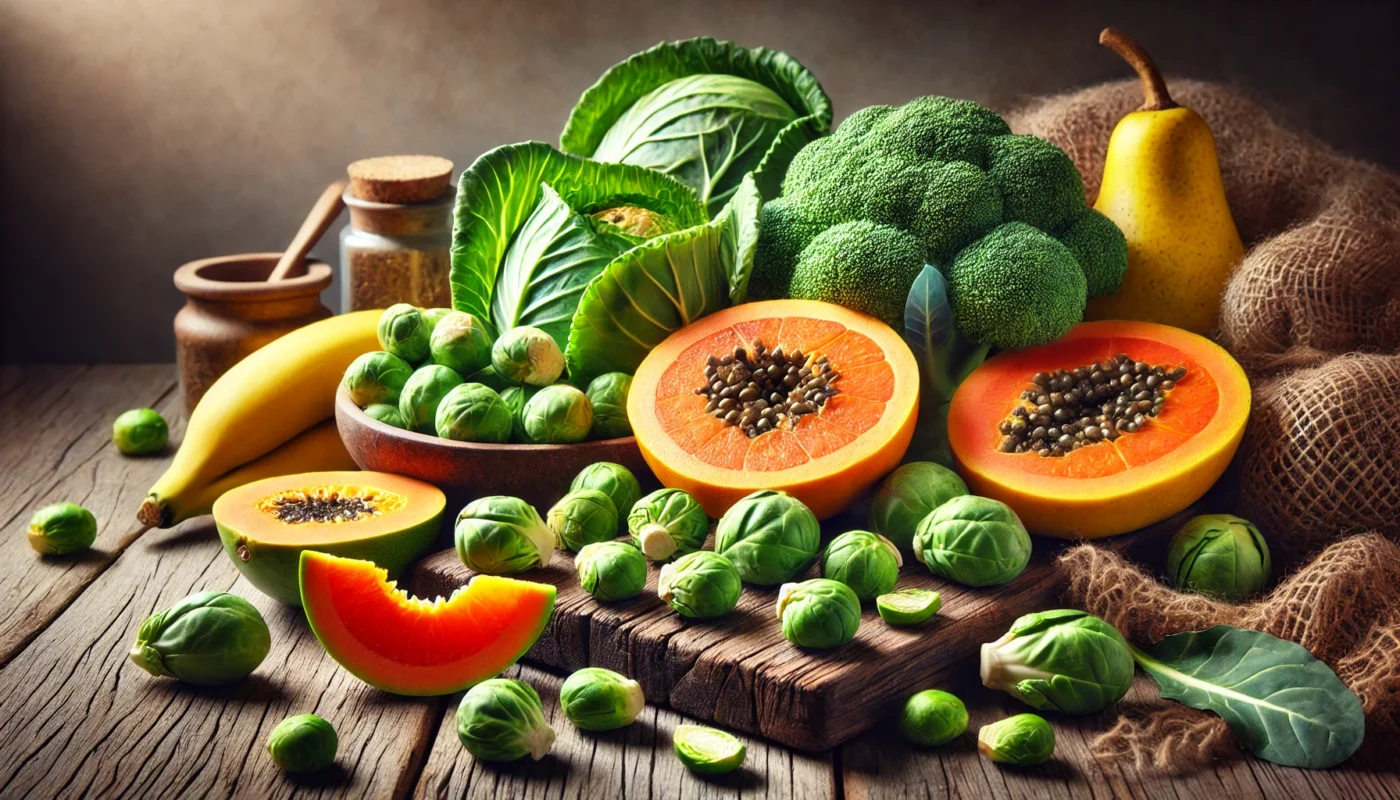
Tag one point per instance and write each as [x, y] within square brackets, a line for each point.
[635, 762]
[56, 426]
[78, 720]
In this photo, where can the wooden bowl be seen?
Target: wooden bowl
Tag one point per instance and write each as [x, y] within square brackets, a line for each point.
[536, 473]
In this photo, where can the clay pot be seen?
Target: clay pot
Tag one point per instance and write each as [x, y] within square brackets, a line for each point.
[539, 474]
[230, 311]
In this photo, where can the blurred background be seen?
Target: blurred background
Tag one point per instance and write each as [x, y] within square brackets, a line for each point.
[141, 134]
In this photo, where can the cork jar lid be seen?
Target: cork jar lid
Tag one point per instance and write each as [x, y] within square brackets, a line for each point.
[400, 179]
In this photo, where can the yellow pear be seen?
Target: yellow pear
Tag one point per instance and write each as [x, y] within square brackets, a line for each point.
[1162, 186]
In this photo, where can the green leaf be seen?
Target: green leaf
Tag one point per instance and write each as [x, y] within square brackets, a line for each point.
[498, 193]
[720, 147]
[1283, 704]
[655, 289]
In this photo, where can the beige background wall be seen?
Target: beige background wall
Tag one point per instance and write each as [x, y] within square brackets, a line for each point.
[139, 134]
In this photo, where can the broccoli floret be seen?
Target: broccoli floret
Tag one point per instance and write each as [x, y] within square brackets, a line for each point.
[854, 264]
[1015, 287]
[1039, 185]
[786, 228]
[1102, 252]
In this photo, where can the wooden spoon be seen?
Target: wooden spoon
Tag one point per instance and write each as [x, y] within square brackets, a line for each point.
[322, 214]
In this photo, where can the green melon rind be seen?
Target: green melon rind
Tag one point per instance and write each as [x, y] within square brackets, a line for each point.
[400, 689]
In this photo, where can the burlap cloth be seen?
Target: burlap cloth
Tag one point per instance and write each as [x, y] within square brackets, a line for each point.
[1313, 315]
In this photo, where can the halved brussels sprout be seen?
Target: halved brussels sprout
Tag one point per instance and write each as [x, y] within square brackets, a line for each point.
[1063, 660]
[1219, 555]
[770, 536]
[932, 718]
[423, 393]
[975, 541]
[596, 699]
[614, 480]
[376, 377]
[460, 342]
[515, 398]
[61, 529]
[304, 743]
[668, 523]
[473, 413]
[908, 606]
[708, 751]
[501, 535]
[819, 613]
[611, 570]
[558, 414]
[140, 432]
[909, 494]
[608, 395]
[1024, 740]
[209, 639]
[700, 585]
[404, 332]
[528, 355]
[502, 719]
[387, 414]
[867, 562]
[583, 517]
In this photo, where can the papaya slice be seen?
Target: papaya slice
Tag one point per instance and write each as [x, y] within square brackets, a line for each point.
[410, 646]
[265, 525]
[842, 404]
[1100, 486]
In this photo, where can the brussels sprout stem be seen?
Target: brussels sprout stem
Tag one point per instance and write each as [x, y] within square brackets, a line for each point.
[148, 658]
[1154, 87]
[540, 741]
[657, 543]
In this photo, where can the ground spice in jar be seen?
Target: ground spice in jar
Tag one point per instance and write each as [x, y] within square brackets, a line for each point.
[397, 247]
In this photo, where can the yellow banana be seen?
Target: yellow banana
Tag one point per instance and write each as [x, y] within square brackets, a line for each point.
[316, 450]
[265, 400]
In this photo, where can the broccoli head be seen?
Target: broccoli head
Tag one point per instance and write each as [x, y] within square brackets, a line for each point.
[839, 264]
[1015, 287]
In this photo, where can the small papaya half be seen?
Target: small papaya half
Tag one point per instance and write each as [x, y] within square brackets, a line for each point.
[832, 412]
[1132, 464]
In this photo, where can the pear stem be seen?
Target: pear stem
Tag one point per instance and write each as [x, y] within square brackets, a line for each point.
[1154, 88]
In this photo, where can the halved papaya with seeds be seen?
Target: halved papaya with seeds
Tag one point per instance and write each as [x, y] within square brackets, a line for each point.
[1142, 420]
[808, 397]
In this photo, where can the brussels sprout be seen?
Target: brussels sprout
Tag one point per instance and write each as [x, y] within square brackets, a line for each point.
[404, 332]
[1024, 740]
[1062, 660]
[667, 523]
[209, 639]
[819, 613]
[515, 398]
[975, 541]
[867, 562]
[583, 517]
[487, 376]
[611, 570]
[140, 432]
[907, 495]
[770, 536]
[376, 377]
[908, 606]
[387, 414]
[608, 395]
[700, 585]
[615, 481]
[708, 751]
[460, 342]
[528, 355]
[433, 316]
[423, 393]
[558, 414]
[932, 718]
[1219, 555]
[500, 535]
[597, 699]
[473, 413]
[503, 720]
[304, 743]
[62, 528]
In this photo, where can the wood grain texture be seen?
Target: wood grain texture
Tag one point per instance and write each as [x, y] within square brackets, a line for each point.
[634, 762]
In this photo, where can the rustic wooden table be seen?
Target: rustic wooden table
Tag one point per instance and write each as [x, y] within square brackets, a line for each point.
[77, 720]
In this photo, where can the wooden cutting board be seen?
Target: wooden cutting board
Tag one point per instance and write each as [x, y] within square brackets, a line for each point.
[739, 672]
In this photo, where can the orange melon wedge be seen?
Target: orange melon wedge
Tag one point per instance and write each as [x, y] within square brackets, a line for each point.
[410, 646]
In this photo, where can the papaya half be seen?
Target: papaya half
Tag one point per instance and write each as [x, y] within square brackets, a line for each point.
[1154, 415]
[808, 397]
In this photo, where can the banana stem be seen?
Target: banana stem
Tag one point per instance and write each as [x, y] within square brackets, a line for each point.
[1154, 88]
